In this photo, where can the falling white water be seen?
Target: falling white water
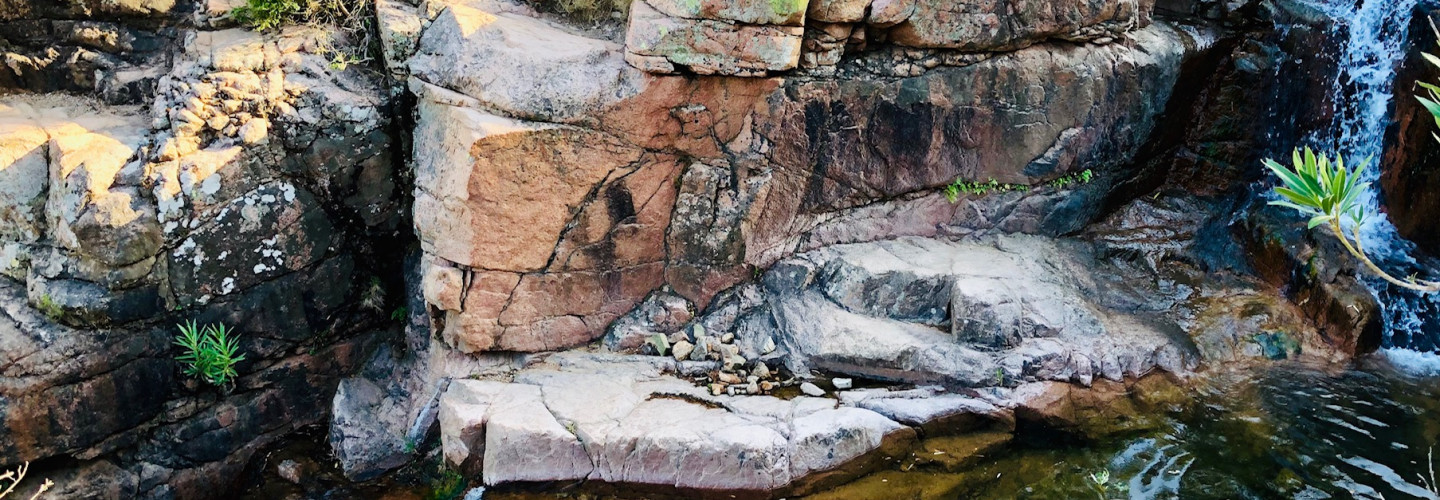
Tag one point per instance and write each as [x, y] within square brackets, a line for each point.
[1373, 36]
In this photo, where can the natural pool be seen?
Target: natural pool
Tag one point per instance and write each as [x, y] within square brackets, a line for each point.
[1287, 430]
[1291, 431]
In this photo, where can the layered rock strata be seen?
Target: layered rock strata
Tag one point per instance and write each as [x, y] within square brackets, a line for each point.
[753, 38]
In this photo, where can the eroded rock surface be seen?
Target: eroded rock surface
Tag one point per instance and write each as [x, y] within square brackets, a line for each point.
[549, 211]
[238, 179]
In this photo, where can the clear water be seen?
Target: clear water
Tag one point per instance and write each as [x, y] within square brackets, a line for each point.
[1290, 431]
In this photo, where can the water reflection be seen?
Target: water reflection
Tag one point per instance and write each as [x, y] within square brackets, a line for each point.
[1290, 432]
[1286, 431]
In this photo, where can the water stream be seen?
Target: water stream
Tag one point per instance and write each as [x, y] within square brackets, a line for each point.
[1373, 37]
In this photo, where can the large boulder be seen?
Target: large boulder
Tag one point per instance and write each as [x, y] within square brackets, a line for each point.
[77, 226]
[1005, 25]
[1408, 166]
[660, 43]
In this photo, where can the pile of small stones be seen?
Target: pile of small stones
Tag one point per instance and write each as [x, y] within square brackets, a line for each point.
[735, 376]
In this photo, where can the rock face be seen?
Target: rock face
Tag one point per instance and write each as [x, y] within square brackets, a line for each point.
[751, 38]
[116, 50]
[546, 212]
[223, 177]
[954, 201]
[1409, 157]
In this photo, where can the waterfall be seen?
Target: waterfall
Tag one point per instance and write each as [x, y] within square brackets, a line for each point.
[1373, 36]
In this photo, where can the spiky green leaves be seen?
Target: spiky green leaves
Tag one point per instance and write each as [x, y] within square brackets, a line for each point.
[1431, 103]
[210, 354]
[1320, 189]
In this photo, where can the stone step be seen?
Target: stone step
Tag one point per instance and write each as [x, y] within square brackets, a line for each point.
[635, 420]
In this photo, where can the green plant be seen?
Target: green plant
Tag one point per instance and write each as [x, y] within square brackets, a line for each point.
[1077, 178]
[954, 189]
[373, 297]
[49, 308]
[960, 186]
[1431, 103]
[266, 15]
[449, 485]
[399, 314]
[1329, 193]
[210, 354]
[352, 18]
[1100, 482]
[18, 475]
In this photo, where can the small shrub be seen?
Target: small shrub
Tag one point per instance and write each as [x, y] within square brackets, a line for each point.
[264, 15]
[353, 18]
[1328, 192]
[586, 10]
[210, 354]
[14, 477]
[373, 297]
